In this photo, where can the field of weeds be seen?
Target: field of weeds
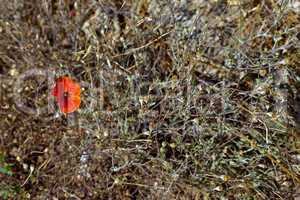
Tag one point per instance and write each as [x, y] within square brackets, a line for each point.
[182, 99]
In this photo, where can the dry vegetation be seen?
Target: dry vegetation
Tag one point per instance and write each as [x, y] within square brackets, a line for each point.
[187, 99]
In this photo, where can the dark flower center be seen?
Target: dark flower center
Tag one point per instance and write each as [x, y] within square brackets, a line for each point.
[65, 97]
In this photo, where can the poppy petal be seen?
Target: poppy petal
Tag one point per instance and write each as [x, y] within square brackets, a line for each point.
[73, 89]
[72, 104]
[67, 94]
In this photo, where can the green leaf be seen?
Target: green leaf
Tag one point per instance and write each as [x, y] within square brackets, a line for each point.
[4, 194]
[6, 170]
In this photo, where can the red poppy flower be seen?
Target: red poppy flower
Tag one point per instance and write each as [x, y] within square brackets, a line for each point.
[67, 94]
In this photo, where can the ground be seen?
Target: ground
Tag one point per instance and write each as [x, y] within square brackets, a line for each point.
[190, 99]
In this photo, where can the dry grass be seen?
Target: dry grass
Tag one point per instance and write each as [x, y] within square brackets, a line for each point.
[181, 99]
